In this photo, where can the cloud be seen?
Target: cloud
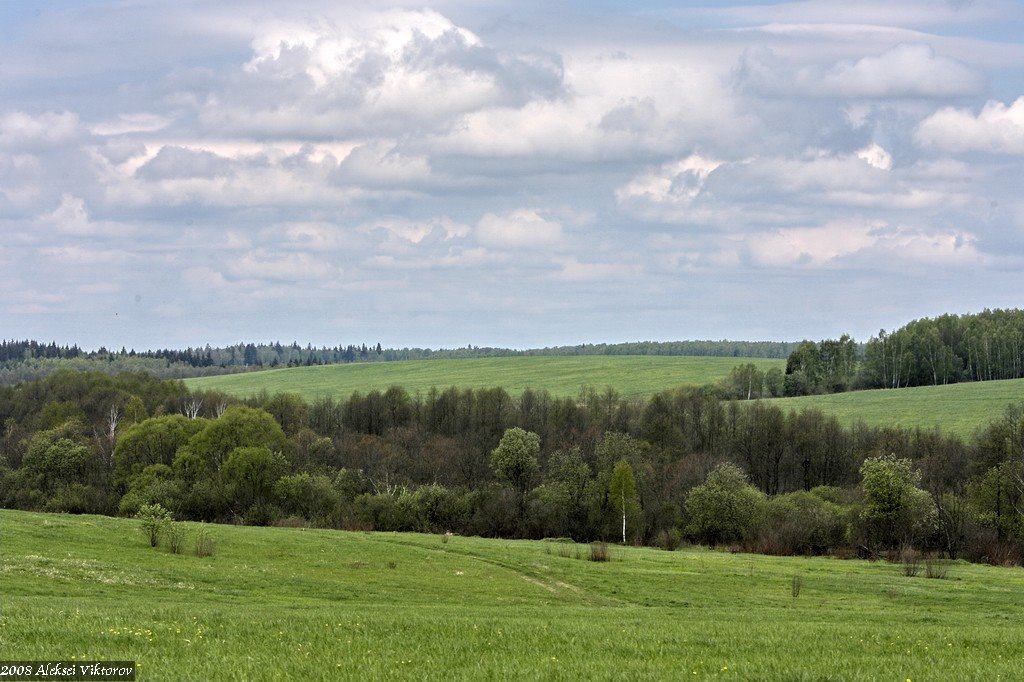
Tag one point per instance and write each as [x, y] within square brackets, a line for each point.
[521, 228]
[677, 183]
[857, 242]
[996, 128]
[902, 71]
[179, 162]
[22, 131]
[381, 165]
[875, 155]
[396, 70]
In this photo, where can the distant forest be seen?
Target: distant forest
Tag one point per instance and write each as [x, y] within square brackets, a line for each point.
[928, 352]
[26, 360]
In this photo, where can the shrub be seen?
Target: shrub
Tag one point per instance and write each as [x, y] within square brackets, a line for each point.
[801, 523]
[204, 541]
[669, 539]
[936, 567]
[911, 561]
[175, 536]
[155, 520]
[599, 551]
[725, 508]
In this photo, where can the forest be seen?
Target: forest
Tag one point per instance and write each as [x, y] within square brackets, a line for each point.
[947, 349]
[682, 465]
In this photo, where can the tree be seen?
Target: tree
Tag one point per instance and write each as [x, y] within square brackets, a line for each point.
[622, 492]
[895, 509]
[152, 441]
[515, 460]
[725, 508]
[238, 427]
[249, 475]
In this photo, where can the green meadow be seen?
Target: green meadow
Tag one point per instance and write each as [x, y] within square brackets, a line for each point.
[633, 376]
[955, 408]
[276, 603]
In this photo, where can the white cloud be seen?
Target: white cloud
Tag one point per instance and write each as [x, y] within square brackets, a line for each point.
[397, 69]
[417, 231]
[381, 164]
[677, 182]
[836, 242]
[996, 128]
[875, 155]
[139, 122]
[522, 228]
[902, 71]
[19, 130]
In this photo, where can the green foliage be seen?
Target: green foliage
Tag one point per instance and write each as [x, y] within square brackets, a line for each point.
[57, 457]
[725, 508]
[205, 544]
[155, 484]
[828, 366]
[249, 475]
[997, 499]
[174, 534]
[802, 523]
[311, 496]
[155, 521]
[152, 441]
[947, 349]
[895, 511]
[238, 427]
[515, 458]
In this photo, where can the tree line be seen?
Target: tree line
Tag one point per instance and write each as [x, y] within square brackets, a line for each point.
[928, 352]
[684, 464]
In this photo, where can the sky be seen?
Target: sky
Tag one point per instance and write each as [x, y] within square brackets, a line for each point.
[515, 174]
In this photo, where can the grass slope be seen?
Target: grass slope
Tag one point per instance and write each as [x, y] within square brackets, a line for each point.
[316, 604]
[956, 408]
[631, 375]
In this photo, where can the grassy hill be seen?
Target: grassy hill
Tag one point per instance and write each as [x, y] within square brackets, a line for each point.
[958, 408]
[316, 604]
[631, 375]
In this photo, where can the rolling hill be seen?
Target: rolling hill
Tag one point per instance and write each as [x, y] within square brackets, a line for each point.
[633, 376]
[956, 408]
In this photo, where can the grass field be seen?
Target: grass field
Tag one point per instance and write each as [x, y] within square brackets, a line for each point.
[316, 604]
[631, 375]
[956, 408]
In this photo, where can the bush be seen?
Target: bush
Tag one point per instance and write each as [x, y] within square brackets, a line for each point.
[204, 541]
[936, 567]
[669, 539]
[801, 523]
[599, 551]
[725, 508]
[911, 561]
[175, 536]
[155, 520]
